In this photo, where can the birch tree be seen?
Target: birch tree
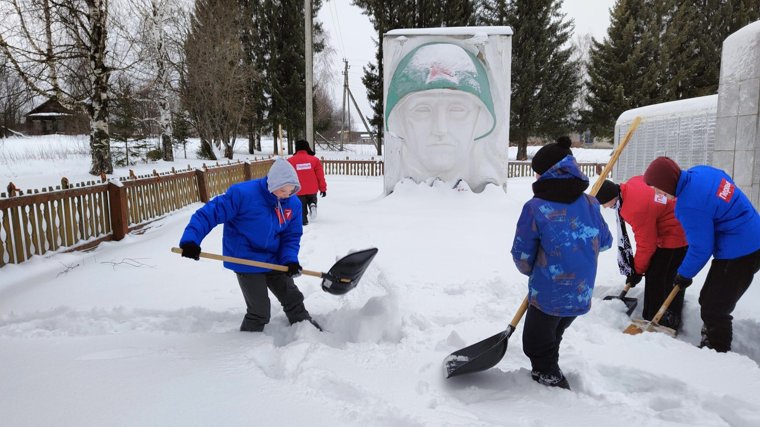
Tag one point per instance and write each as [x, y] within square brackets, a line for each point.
[46, 41]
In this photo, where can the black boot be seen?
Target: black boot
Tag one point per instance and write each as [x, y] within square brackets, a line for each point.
[310, 320]
[671, 320]
[555, 379]
[248, 326]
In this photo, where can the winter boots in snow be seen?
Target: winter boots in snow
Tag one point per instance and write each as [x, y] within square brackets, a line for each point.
[718, 339]
[556, 379]
[671, 320]
[313, 211]
[312, 321]
[248, 326]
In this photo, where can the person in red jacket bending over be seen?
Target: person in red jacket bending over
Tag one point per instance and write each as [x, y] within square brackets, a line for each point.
[660, 243]
[311, 176]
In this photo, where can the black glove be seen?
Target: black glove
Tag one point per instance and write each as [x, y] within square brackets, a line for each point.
[681, 281]
[323, 193]
[191, 250]
[294, 269]
[633, 279]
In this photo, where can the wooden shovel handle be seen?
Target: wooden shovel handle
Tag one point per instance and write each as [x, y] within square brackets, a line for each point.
[253, 263]
[666, 304]
[520, 312]
[613, 159]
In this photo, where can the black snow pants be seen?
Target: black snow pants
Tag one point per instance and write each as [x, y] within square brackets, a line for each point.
[254, 287]
[306, 201]
[542, 334]
[658, 284]
[726, 282]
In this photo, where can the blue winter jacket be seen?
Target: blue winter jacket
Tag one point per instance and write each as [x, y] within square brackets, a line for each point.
[256, 225]
[718, 219]
[557, 246]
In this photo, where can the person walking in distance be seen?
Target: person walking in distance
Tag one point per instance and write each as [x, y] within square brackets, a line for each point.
[311, 176]
[261, 223]
[719, 221]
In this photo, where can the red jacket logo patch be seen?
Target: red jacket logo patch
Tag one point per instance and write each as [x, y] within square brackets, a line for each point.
[283, 215]
[725, 190]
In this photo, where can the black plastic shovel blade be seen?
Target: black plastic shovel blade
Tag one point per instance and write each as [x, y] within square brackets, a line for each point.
[345, 274]
[629, 302]
[479, 356]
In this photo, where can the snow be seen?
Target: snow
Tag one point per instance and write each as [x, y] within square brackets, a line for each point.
[674, 109]
[739, 57]
[451, 31]
[130, 334]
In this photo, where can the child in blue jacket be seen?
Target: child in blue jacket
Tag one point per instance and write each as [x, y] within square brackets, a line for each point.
[557, 242]
[262, 222]
[719, 221]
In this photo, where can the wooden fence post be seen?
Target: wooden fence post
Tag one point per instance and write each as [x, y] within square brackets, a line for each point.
[117, 199]
[200, 176]
[247, 171]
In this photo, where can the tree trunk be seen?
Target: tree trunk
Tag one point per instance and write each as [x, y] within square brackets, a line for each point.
[251, 137]
[100, 143]
[522, 149]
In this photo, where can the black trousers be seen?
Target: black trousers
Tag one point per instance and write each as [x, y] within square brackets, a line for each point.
[542, 334]
[306, 201]
[254, 287]
[726, 282]
[659, 282]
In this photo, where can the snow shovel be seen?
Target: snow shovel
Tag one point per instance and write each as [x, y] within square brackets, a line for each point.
[638, 326]
[484, 354]
[629, 302]
[342, 277]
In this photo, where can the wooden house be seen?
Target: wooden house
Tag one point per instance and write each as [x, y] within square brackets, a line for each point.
[51, 117]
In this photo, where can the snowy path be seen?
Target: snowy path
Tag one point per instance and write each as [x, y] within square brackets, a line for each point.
[131, 334]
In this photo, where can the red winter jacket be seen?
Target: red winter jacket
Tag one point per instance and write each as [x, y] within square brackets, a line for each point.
[310, 173]
[652, 219]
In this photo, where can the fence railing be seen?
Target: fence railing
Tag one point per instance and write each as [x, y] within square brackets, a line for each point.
[353, 167]
[522, 168]
[82, 215]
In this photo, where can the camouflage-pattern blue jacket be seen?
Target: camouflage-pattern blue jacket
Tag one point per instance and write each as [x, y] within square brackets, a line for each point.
[557, 244]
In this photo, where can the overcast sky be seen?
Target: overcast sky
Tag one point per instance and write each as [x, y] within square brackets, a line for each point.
[351, 36]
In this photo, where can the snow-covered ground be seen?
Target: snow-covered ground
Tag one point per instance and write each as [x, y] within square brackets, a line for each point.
[131, 334]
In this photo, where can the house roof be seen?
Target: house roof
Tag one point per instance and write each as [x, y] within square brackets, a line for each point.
[50, 106]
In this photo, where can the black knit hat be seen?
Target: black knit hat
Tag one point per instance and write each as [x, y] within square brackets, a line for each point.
[550, 154]
[304, 145]
[608, 191]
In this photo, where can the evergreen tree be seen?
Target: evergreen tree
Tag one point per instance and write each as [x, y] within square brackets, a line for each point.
[623, 69]
[386, 15]
[691, 45]
[281, 60]
[492, 12]
[545, 80]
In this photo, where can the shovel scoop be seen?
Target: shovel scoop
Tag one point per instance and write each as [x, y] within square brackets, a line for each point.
[638, 326]
[484, 354]
[345, 274]
[629, 302]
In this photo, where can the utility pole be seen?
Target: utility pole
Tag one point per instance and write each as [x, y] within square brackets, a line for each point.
[348, 97]
[309, 74]
[345, 104]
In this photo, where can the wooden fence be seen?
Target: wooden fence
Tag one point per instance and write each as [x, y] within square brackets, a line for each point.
[82, 215]
[353, 167]
[522, 168]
